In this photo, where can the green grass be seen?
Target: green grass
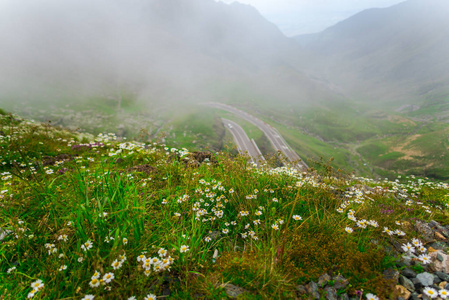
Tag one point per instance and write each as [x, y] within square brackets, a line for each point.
[270, 228]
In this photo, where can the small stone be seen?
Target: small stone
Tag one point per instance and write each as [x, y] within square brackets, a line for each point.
[323, 279]
[439, 236]
[418, 285]
[409, 273]
[407, 283]
[425, 230]
[443, 230]
[301, 289]
[331, 293]
[440, 265]
[425, 278]
[403, 292]
[343, 297]
[436, 279]
[442, 284]
[390, 273]
[446, 287]
[415, 296]
[406, 261]
[233, 291]
[312, 288]
[340, 282]
[438, 245]
[430, 250]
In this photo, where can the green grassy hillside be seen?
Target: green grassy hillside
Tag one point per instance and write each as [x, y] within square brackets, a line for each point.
[88, 217]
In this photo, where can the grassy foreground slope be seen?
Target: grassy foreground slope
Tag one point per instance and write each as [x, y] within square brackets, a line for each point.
[85, 215]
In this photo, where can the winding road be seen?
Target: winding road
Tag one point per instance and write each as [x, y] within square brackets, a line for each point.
[272, 134]
[244, 144]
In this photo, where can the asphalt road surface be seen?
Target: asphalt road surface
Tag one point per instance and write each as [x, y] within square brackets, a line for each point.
[244, 144]
[272, 134]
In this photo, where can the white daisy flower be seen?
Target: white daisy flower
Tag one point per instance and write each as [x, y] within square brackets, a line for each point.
[150, 297]
[37, 285]
[96, 275]
[424, 258]
[94, 282]
[431, 292]
[371, 297]
[443, 293]
[62, 268]
[116, 264]
[162, 252]
[297, 218]
[87, 245]
[108, 277]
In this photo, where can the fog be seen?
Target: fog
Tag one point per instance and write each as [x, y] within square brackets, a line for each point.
[158, 50]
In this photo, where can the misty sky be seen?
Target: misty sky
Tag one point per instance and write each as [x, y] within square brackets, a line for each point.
[308, 16]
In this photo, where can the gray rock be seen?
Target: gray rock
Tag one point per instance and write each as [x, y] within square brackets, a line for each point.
[343, 297]
[414, 296]
[397, 246]
[400, 298]
[440, 257]
[443, 230]
[426, 279]
[323, 279]
[312, 288]
[446, 287]
[301, 289]
[425, 230]
[438, 245]
[407, 283]
[436, 279]
[418, 285]
[331, 293]
[391, 273]
[409, 273]
[233, 291]
[340, 282]
[406, 261]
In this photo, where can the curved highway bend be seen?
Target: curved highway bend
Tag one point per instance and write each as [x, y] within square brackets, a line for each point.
[244, 144]
[272, 134]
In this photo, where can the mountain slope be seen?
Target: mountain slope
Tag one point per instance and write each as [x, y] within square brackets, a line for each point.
[394, 52]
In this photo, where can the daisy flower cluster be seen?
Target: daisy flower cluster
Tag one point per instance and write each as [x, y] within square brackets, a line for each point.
[36, 287]
[155, 264]
[413, 247]
[433, 293]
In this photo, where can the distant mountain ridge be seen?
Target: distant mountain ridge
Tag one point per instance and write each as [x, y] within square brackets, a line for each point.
[393, 52]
